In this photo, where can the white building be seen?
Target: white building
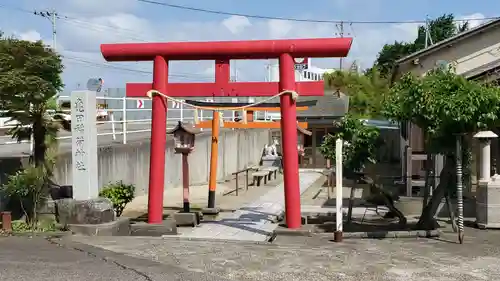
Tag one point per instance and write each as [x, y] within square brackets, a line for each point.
[311, 73]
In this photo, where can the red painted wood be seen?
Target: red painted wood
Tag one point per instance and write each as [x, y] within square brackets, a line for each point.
[253, 49]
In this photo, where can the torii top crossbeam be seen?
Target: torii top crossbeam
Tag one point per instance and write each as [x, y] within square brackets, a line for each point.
[255, 49]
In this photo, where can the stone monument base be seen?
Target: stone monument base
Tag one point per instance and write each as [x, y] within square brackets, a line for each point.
[187, 219]
[78, 212]
[488, 203]
[119, 227]
[167, 227]
[210, 211]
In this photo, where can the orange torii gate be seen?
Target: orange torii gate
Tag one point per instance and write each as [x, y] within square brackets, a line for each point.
[246, 122]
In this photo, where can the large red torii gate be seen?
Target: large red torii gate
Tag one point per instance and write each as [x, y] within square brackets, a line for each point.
[222, 52]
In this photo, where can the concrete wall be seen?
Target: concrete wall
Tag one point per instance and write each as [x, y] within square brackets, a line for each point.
[130, 163]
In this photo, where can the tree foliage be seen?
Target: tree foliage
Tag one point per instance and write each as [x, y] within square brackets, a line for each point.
[445, 105]
[360, 143]
[30, 78]
[365, 91]
[440, 29]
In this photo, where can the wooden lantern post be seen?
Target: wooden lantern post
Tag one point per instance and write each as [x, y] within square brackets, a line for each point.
[184, 138]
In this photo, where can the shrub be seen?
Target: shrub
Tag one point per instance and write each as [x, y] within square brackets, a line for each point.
[28, 188]
[120, 195]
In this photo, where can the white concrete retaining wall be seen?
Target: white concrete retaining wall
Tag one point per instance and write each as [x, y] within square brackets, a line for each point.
[130, 163]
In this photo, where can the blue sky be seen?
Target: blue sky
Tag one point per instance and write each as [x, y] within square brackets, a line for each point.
[85, 24]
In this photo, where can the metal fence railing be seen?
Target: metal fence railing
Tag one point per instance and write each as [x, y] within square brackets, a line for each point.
[123, 121]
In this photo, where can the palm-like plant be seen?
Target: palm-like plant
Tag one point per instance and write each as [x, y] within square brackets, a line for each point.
[29, 81]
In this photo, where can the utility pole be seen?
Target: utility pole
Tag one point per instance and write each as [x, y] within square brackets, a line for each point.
[340, 26]
[52, 17]
[428, 37]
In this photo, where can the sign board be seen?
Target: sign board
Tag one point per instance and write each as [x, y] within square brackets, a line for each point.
[140, 103]
[95, 84]
[301, 63]
[84, 145]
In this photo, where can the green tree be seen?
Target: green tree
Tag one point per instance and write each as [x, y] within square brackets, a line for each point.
[359, 148]
[365, 91]
[29, 82]
[440, 29]
[360, 143]
[444, 105]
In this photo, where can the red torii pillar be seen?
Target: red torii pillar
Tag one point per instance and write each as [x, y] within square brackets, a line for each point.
[222, 52]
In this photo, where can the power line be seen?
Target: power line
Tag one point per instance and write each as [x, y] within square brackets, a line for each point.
[80, 23]
[126, 69]
[51, 16]
[182, 7]
[120, 29]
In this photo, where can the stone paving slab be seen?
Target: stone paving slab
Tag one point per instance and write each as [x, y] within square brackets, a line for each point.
[254, 221]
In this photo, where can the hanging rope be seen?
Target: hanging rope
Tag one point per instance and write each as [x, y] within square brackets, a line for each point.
[151, 93]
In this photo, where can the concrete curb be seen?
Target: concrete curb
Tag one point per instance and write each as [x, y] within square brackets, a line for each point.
[180, 238]
[48, 234]
[386, 234]
[293, 232]
[360, 235]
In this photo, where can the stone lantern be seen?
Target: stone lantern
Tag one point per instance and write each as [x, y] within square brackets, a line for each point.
[488, 188]
[184, 137]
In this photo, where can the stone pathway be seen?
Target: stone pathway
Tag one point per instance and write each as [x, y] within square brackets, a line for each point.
[254, 221]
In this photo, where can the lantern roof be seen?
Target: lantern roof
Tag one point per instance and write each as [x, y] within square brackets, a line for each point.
[188, 128]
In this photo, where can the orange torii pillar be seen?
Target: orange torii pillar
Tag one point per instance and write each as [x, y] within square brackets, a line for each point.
[214, 154]
[222, 52]
[250, 124]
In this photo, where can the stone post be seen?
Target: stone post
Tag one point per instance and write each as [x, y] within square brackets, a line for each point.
[84, 145]
[484, 138]
[338, 234]
[488, 188]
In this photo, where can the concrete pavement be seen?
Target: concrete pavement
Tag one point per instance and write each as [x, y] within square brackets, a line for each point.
[318, 259]
[254, 221]
[24, 258]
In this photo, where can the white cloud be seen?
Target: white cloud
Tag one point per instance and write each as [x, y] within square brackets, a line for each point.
[474, 20]
[30, 35]
[124, 23]
[236, 24]
[124, 27]
[279, 28]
